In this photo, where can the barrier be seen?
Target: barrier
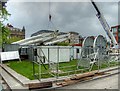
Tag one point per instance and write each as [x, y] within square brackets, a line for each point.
[9, 55]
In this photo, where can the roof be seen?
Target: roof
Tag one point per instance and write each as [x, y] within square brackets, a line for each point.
[62, 33]
[46, 31]
[72, 32]
[115, 26]
[41, 31]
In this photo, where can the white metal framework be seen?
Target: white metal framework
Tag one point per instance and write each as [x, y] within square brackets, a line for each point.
[31, 38]
[87, 46]
[93, 51]
[100, 42]
[46, 39]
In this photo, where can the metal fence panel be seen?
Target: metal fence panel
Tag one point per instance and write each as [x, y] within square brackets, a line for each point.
[11, 47]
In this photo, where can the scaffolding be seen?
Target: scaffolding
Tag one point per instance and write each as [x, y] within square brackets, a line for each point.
[66, 61]
[90, 57]
[58, 67]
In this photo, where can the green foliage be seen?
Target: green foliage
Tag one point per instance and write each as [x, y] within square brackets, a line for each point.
[5, 35]
[63, 44]
[14, 39]
[4, 31]
[4, 14]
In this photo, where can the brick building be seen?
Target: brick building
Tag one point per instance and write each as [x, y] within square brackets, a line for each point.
[116, 33]
[16, 32]
[74, 37]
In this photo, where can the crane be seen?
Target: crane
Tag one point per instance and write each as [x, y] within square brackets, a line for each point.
[105, 25]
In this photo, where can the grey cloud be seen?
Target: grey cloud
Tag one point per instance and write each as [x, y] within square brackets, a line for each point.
[66, 16]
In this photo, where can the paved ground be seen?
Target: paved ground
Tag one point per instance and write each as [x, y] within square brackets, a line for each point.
[0, 83]
[104, 83]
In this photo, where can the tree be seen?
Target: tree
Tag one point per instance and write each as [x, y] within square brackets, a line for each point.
[14, 39]
[4, 31]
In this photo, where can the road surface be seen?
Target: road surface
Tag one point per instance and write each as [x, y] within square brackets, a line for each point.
[110, 82]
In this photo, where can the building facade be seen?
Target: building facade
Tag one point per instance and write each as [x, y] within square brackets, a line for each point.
[73, 37]
[116, 33]
[16, 32]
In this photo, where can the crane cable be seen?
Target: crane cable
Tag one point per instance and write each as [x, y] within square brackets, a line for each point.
[50, 18]
[49, 11]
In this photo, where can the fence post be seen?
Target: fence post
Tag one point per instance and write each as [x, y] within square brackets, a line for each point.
[48, 58]
[57, 62]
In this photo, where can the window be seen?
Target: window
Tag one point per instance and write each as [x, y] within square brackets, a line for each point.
[119, 34]
[119, 29]
[77, 50]
[118, 39]
[114, 34]
[114, 30]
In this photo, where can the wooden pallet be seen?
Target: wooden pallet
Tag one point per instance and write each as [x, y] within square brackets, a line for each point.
[78, 78]
[40, 85]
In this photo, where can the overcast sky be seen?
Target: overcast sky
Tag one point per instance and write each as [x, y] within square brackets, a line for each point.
[66, 16]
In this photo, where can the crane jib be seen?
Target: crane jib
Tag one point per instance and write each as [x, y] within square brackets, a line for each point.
[104, 24]
[95, 7]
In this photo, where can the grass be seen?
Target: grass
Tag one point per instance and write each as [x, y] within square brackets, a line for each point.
[25, 68]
